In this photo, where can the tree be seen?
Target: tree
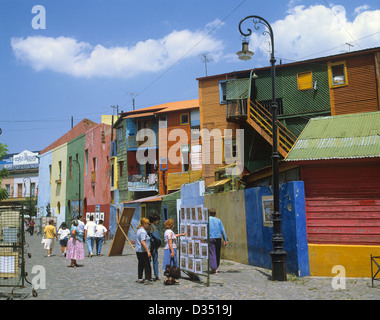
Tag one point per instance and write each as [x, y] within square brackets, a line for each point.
[3, 172]
[30, 206]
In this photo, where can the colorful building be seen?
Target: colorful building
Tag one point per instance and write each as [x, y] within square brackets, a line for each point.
[75, 172]
[22, 181]
[344, 83]
[339, 159]
[97, 171]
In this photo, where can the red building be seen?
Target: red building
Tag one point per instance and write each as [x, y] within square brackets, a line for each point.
[339, 159]
[97, 172]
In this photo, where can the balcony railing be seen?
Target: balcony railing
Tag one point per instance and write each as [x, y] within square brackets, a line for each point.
[151, 141]
[141, 183]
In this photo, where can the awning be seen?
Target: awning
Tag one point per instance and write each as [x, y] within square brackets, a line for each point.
[219, 183]
[148, 199]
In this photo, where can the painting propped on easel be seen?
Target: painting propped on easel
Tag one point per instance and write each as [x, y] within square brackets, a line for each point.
[122, 229]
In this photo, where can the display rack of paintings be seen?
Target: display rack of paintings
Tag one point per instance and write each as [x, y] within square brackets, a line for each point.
[194, 257]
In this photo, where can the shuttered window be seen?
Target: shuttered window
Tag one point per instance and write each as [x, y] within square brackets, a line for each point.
[305, 80]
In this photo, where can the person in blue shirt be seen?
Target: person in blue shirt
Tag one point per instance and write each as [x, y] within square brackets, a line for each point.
[215, 237]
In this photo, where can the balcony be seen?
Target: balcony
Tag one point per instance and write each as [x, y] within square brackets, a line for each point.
[141, 183]
[151, 141]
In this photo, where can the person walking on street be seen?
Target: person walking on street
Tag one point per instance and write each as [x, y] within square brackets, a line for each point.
[80, 224]
[154, 220]
[32, 223]
[75, 250]
[170, 249]
[100, 234]
[89, 234]
[63, 233]
[50, 234]
[216, 232]
[142, 248]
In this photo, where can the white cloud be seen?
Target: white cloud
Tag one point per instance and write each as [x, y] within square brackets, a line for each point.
[81, 59]
[313, 31]
[362, 8]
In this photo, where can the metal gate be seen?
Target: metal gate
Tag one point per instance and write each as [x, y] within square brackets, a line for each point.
[12, 254]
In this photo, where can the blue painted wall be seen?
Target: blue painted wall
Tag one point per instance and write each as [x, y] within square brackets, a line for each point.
[192, 193]
[44, 187]
[259, 237]
[135, 220]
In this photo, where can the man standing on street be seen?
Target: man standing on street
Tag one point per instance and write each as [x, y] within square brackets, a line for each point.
[89, 233]
[216, 232]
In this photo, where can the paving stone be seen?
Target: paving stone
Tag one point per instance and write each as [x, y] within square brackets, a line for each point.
[114, 278]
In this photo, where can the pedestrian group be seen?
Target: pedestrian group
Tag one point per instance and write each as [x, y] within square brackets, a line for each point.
[146, 245]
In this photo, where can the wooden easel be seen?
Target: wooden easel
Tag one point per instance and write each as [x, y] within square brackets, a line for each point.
[123, 224]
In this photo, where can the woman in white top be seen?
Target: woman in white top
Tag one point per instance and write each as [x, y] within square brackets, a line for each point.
[170, 249]
[142, 249]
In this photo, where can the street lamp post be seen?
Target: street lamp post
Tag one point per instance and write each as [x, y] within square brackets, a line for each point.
[278, 255]
[30, 194]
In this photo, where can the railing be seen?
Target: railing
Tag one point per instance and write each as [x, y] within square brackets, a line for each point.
[141, 183]
[150, 141]
[236, 110]
[263, 118]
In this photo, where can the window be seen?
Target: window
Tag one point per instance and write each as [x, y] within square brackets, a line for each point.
[86, 156]
[94, 164]
[70, 165]
[184, 118]
[19, 190]
[121, 166]
[223, 92]
[8, 188]
[33, 189]
[163, 164]
[120, 133]
[305, 80]
[59, 170]
[165, 213]
[142, 125]
[50, 174]
[337, 74]
[185, 157]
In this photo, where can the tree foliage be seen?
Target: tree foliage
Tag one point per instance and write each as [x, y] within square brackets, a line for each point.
[3, 172]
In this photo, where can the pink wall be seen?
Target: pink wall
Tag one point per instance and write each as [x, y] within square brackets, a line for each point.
[97, 166]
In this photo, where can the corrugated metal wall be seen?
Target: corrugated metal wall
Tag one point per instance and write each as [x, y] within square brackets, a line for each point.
[342, 203]
[360, 95]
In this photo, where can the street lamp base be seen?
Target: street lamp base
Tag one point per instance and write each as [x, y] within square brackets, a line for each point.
[278, 265]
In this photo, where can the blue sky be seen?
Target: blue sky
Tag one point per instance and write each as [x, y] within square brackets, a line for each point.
[100, 53]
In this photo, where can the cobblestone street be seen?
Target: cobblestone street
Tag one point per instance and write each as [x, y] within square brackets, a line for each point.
[114, 278]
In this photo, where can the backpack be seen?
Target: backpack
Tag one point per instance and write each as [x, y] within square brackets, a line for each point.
[154, 241]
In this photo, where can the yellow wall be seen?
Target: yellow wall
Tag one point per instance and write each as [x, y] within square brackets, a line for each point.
[355, 259]
[58, 190]
[230, 208]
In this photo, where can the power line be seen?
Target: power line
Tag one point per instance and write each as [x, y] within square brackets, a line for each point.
[342, 24]
[171, 67]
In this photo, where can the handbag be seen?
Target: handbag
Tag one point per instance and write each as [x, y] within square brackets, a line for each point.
[172, 270]
[43, 240]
